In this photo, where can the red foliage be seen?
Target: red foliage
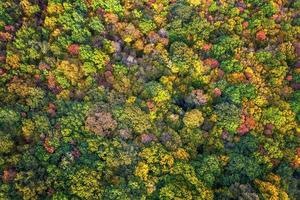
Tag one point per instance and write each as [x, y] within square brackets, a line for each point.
[74, 49]
[37, 77]
[270, 126]
[47, 146]
[289, 78]
[9, 28]
[245, 24]
[210, 18]
[297, 48]
[100, 11]
[23, 114]
[8, 175]
[2, 71]
[241, 9]
[50, 191]
[51, 82]
[248, 75]
[225, 134]
[101, 123]
[153, 37]
[268, 132]
[51, 109]
[76, 153]
[298, 151]
[261, 35]
[262, 150]
[146, 138]
[221, 73]
[150, 2]
[213, 63]
[217, 92]
[150, 105]
[2, 58]
[207, 47]
[248, 123]
[199, 97]
[109, 77]
[43, 66]
[296, 86]
[243, 129]
[5, 36]
[57, 126]
[268, 129]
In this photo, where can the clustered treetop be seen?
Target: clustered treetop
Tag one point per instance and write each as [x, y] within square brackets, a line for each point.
[149, 99]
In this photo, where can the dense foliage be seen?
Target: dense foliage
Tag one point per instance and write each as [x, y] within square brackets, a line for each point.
[150, 99]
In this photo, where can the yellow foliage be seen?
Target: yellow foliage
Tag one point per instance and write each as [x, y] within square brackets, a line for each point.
[13, 60]
[56, 33]
[167, 160]
[181, 154]
[162, 96]
[182, 88]
[213, 118]
[270, 191]
[159, 20]
[193, 118]
[54, 8]
[150, 187]
[29, 8]
[152, 116]
[50, 22]
[199, 68]
[142, 170]
[260, 100]
[128, 39]
[273, 178]
[64, 94]
[27, 129]
[168, 82]
[195, 2]
[224, 159]
[296, 162]
[71, 71]
[139, 44]
[122, 85]
[131, 100]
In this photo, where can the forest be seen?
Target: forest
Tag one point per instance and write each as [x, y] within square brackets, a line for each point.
[149, 99]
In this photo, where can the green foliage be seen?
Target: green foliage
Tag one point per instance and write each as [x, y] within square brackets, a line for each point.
[228, 116]
[8, 117]
[242, 169]
[109, 6]
[133, 117]
[96, 25]
[225, 47]
[6, 143]
[274, 116]
[296, 4]
[94, 60]
[295, 105]
[267, 58]
[86, 184]
[156, 91]
[193, 119]
[237, 93]
[151, 99]
[231, 66]
[181, 57]
[146, 26]
[208, 169]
